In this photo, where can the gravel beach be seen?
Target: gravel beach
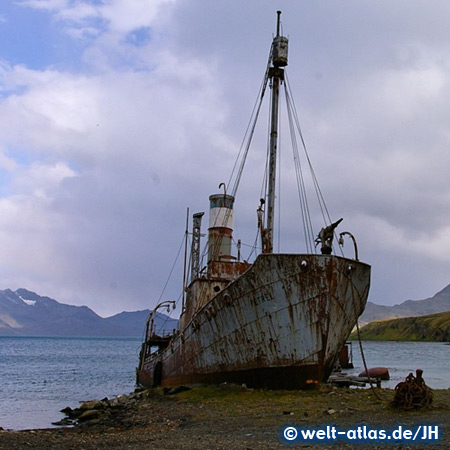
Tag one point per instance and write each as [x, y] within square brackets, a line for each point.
[233, 417]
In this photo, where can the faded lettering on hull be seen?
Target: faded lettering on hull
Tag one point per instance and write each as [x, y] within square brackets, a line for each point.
[280, 325]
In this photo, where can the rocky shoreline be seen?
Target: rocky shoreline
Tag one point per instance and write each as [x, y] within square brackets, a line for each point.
[226, 416]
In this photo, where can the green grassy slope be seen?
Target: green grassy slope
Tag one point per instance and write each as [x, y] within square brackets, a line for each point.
[435, 327]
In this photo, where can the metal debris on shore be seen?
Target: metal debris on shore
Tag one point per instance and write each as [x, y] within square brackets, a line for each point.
[413, 393]
[344, 380]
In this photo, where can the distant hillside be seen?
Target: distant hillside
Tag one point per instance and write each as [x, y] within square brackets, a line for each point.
[435, 327]
[25, 313]
[440, 302]
[134, 322]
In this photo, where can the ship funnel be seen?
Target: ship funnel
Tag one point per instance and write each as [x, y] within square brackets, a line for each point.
[220, 227]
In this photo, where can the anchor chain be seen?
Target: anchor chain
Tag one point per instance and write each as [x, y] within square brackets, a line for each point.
[413, 392]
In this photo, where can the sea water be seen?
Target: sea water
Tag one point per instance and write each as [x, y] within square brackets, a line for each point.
[402, 358]
[40, 376]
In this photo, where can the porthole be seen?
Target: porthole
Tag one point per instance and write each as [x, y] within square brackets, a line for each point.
[304, 265]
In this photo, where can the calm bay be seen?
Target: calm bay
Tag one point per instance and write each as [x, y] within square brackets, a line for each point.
[40, 376]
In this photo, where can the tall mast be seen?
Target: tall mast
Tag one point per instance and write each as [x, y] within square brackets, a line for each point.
[276, 75]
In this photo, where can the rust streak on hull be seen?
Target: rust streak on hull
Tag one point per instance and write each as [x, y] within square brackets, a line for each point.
[280, 325]
[289, 378]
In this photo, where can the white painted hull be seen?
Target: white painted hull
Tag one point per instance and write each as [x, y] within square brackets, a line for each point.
[279, 325]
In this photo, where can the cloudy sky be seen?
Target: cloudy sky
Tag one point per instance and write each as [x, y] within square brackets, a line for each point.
[117, 115]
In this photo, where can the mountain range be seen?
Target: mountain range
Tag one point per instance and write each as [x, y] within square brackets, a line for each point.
[440, 302]
[25, 313]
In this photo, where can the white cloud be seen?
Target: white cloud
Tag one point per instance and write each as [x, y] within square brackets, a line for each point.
[405, 93]
[125, 16]
[79, 12]
[104, 154]
[82, 18]
[6, 162]
[49, 5]
[38, 178]
[102, 161]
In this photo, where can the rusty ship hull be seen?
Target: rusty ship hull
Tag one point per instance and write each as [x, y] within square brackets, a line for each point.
[280, 325]
[279, 322]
